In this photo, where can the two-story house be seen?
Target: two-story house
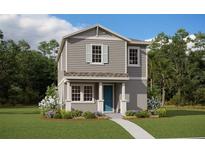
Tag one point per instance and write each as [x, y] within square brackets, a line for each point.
[102, 71]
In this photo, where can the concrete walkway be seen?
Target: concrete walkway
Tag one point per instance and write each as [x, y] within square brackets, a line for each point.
[136, 131]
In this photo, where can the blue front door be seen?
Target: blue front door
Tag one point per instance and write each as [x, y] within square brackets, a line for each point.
[108, 98]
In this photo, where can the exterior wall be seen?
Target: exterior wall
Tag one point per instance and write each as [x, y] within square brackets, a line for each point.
[118, 92]
[61, 71]
[137, 91]
[77, 56]
[93, 32]
[92, 107]
[138, 71]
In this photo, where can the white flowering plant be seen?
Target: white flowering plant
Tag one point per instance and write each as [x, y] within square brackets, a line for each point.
[50, 104]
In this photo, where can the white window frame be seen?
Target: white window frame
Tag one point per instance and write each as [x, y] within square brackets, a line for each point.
[138, 57]
[71, 93]
[92, 93]
[97, 63]
[82, 93]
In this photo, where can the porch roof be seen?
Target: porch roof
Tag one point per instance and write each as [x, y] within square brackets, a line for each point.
[96, 75]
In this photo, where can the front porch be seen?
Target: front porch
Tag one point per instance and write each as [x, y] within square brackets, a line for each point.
[95, 96]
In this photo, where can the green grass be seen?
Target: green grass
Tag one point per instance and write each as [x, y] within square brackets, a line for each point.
[180, 123]
[27, 123]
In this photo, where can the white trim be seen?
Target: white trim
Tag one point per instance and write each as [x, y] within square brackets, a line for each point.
[61, 59]
[93, 89]
[71, 85]
[96, 63]
[97, 38]
[66, 55]
[113, 97]
[63, 80]
[125, 57]
[97, 30]
[82, 93]
[138, 56]
[146, 74]
[98, 78]
[137, 78]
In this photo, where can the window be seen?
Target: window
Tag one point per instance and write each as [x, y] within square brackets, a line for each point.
[75, 93]
[82, 93]
[96, 53]
[88, 93]
[133, 56]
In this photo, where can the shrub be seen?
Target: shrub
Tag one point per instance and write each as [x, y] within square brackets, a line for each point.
[153, 104]
[49, 114]
[162, 112]
[67, 115]
[98, 114]
[88, 115]
[62, 112]
[76, 113]
[130, 113]
[142, 114]
[50, 102]
[57, 115]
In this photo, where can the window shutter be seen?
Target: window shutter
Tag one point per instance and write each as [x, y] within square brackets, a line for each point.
[105, 54]
[88, 53]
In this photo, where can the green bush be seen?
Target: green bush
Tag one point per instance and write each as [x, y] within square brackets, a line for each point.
[88, 115]
[130, 113]
[162, 112]
[76, 113]
[142, 114]
[57, 116]
[62, 112]
[67, 115]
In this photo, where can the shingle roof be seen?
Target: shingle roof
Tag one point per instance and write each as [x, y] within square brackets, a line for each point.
[95, 74]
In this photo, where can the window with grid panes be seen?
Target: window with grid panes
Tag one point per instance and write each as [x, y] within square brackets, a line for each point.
[133, 56]
[88, 93]
[75, 93]
[96, 53]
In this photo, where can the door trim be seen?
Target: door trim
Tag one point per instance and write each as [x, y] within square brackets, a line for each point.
[113, 96]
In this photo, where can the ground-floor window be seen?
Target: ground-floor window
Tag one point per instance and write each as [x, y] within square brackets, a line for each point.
[82, 93]
[88, 93]
[75, 93]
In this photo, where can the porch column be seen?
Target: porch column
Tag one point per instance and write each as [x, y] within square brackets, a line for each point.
[68, 98]
[123, 102]
[100, 100]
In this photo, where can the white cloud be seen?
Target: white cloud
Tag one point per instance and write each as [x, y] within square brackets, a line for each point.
[35, 28]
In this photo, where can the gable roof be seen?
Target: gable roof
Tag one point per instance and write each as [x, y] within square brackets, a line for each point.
[131, 41]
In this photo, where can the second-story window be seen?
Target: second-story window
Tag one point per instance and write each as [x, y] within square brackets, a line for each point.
[96, 53]
[133, 56]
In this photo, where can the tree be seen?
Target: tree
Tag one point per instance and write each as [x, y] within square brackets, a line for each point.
[24, 73]
[160, 65]
[49, 48]
[24, 46]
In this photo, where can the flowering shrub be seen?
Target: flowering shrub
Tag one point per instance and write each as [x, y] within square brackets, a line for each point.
[50, 104]
[153, 104]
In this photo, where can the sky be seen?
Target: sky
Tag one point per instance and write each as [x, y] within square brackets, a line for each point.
[37, 28]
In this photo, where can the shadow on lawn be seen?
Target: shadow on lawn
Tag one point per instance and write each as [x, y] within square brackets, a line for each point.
[172, 113]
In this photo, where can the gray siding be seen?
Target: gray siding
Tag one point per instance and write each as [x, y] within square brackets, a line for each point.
[61, 72]
[137, 90]
[77, 56]
[139, 71]
[92, 107]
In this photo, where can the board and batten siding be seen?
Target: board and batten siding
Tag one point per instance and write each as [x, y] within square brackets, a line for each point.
[137, 91]
[77, 56]
[141, 70]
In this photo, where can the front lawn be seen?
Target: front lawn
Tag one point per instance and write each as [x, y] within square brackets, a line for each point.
[26, 123]
[180, 123]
